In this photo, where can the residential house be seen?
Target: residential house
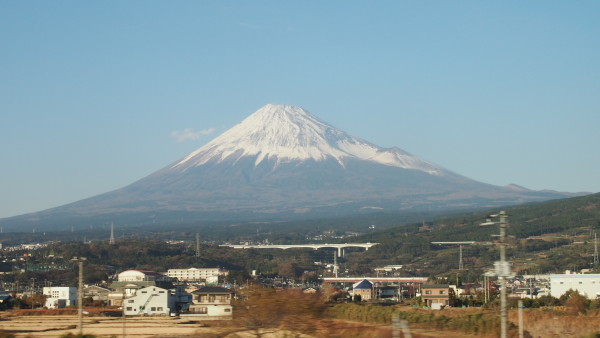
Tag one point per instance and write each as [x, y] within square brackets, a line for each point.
[435, 296]
[130, 281]
[60, 296]
[211, 301]
[153, 300]
[364, 289]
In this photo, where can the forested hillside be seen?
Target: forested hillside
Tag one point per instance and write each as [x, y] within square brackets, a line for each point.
[543, 237]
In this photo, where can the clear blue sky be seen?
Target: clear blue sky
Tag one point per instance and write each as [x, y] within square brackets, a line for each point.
[97, 94]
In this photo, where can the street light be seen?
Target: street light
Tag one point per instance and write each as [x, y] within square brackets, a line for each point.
[502, 268]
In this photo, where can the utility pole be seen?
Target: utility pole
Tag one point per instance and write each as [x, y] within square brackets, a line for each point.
[80, 261]
[502, 268]
[485, 289]
[32, 291]
[395, 325]
[335, 265]
[123, 306]
[503, 316]
[521, 329]
[80, 298]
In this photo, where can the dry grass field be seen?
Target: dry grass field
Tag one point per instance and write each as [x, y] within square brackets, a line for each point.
[56, 326]
[60, 325]
[538, 323]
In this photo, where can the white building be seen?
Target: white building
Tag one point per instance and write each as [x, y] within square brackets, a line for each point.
[154, 300]
[60, 296]
[140, 276]
[210, 275]
[587, 285]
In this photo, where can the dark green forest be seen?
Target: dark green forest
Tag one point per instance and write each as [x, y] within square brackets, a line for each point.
[543, 238]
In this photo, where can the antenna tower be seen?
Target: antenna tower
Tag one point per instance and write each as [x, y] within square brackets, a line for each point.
[112, 233]
[197, 245]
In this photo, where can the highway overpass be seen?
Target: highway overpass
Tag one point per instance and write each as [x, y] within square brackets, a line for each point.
[339, 247]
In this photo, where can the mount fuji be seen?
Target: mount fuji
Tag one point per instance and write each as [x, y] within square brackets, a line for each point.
[281, 160]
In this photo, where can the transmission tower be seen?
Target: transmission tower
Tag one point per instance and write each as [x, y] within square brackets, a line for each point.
[461, 266]
[112, 233]
[595, 250]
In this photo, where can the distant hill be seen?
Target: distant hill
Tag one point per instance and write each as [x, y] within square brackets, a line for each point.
[544, 237]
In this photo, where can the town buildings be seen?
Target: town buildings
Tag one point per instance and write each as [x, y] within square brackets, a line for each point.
[435, 296]
[363, 289]
[208, 275]
[153, 300]
[211, 301]
[97, 293]
[60, 296]
[130, 281]
[141, 276]
[587, 285]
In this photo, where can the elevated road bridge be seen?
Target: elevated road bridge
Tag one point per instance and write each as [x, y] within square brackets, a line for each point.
[340, 247]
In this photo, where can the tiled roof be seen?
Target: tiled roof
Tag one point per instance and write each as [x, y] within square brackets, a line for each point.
[212, 289]
[435, 286]
[365, 284]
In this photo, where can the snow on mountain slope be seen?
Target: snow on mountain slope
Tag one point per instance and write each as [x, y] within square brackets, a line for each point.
[287, 133]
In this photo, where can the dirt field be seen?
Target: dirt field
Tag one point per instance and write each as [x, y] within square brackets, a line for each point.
[58, 325]
[537, 323]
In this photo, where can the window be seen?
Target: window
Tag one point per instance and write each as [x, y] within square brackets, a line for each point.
[428, 292]
[153, 308]
[201, 310]
[144, 291]
[159, 308]
[227, 310]
[129, 308]
[442, 292]
[130, 301]
[161, 292]
[562, 282]
[211, 298]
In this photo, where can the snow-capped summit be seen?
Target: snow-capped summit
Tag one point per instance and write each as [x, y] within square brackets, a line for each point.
[286, 133]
